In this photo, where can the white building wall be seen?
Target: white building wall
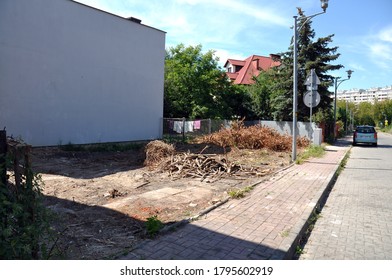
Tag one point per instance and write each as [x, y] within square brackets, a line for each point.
[369, 95]
[71, 73]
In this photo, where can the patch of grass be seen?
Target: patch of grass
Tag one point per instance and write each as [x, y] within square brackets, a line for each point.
[311, 151]
[299, 250]
[285, 233]
[240, 193]
[387, 129]
[153, 225]
[343, 163]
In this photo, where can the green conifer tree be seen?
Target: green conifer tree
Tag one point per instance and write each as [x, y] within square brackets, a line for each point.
[312, 54]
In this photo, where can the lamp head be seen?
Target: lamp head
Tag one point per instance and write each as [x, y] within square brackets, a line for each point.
[349, 72]
[324, 5]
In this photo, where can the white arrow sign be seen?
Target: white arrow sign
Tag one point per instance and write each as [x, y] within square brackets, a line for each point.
[312, 81]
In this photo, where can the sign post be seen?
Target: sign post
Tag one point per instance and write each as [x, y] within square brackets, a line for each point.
[312, 97]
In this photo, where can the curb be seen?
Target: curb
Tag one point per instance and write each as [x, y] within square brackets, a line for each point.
[299, 231]
[184, 222]
[209, 209]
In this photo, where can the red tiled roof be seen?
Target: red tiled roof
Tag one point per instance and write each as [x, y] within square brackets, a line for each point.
[232, 76]
[251, 67]
[235, 62]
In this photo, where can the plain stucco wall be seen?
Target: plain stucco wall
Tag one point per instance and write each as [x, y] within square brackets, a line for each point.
[71, 73]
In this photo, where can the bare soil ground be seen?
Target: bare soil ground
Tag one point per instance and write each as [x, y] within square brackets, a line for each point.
[102, 200]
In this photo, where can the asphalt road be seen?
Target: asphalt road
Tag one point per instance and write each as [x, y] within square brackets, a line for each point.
[356, 221]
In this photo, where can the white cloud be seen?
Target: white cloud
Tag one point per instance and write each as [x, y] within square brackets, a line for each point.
[386, 34]
[379, 48]
[356, 67]
[224, 55]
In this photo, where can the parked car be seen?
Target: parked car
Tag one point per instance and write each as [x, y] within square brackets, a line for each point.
[365, 134]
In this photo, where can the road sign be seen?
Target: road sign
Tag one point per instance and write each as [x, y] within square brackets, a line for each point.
[312, 98]
[312, 81]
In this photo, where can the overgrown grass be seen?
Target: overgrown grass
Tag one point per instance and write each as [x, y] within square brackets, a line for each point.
[240, 193]
[387, 129]
[343, 162]
[102, 147]
[311, 151]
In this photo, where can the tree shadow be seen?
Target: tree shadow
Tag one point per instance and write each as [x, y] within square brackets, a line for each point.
[85, 164]
[193, 242]
[90, 232]
[93, 232]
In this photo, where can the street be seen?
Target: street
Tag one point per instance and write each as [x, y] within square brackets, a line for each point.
[356, 221]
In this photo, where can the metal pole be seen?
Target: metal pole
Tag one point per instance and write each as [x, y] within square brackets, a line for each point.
[346, 117]
[311, 103]
[3, 155]
[334, 110]
[295, 93]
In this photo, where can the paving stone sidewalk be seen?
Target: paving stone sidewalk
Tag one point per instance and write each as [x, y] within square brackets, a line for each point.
[356, 221]
[266, 224]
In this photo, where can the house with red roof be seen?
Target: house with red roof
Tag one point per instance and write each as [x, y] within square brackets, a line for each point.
[242, 71]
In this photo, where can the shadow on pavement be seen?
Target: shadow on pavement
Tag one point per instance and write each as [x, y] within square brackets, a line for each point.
[197, 243]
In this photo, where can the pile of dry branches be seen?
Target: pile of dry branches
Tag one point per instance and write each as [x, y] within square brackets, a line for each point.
[156, 151]
[253, 137]
[187, 165]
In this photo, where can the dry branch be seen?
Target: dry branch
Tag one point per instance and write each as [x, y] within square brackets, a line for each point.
[156, 151]
[187, 165]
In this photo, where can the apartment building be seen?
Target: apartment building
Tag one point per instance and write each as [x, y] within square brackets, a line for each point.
[365, 95]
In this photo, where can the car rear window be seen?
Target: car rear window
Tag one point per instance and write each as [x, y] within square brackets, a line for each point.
[365, 129]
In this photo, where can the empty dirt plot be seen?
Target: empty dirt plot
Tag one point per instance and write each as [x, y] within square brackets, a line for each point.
[102, 199]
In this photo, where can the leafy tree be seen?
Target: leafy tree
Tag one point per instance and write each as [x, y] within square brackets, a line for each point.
[364, 115]
[311, 55]
[196, 87]
[382, 110]
[260, 96]
[237, 103]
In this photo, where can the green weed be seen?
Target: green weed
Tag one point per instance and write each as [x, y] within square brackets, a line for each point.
[311, 151]
[153, 225]
[239, 193]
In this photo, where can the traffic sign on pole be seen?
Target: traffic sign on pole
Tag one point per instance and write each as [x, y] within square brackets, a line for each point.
[312, 97]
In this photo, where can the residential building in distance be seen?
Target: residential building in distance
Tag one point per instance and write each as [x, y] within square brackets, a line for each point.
[242, 71]
[365, 95]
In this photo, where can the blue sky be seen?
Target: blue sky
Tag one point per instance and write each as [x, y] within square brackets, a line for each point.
[240, 28]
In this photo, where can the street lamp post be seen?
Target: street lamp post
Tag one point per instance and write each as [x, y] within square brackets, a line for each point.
[337, 84]
[324, 6]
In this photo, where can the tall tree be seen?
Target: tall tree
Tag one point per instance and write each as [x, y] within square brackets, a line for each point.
[311, 55]
[260, 96]
[195, 86]
[365, 113]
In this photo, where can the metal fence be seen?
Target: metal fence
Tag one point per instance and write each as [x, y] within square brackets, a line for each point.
[182, 128]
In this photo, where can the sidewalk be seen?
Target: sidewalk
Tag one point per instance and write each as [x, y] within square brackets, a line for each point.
[267, 224]
[356, 221]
